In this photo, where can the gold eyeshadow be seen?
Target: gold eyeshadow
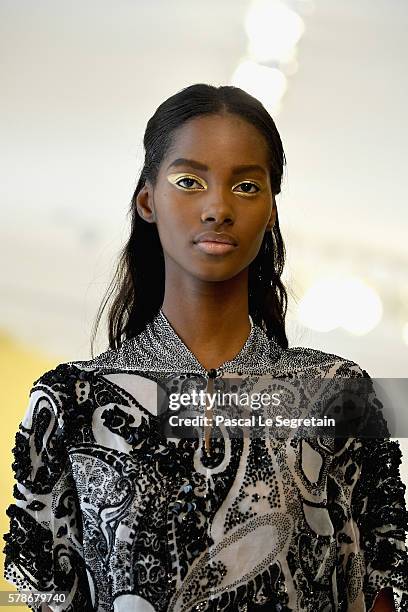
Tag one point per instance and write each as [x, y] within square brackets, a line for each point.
[174, 177]
[177, 176]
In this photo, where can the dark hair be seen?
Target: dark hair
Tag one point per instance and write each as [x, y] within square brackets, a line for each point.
[136, 298]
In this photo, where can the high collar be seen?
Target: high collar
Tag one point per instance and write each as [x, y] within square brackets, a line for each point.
[158, 348]
[166, 351]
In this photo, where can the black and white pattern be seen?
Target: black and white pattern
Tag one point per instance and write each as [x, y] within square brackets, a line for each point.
[124, 519]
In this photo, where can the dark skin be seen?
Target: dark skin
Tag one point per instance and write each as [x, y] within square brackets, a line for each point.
[206, 294]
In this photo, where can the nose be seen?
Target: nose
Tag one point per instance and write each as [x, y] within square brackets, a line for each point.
[218, 210]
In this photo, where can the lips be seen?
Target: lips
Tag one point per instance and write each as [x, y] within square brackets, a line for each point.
[220, 237]
[215, 243]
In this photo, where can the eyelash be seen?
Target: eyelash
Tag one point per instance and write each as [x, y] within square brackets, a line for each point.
[191, 178]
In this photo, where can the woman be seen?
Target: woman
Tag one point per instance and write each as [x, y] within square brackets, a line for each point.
[122, 518]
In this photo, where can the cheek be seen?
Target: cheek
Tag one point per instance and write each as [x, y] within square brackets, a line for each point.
[172, 206]
[254, 247]
[254, 229]
[174, 227]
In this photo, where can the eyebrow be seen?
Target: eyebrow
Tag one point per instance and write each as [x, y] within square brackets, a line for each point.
[181, 161]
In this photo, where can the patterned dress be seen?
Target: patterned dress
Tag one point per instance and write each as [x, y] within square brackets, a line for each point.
[121, 518]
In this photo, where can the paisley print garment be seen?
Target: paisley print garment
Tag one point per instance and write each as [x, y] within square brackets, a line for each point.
[124, 519]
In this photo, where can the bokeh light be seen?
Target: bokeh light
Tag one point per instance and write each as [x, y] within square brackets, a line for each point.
[266, 83]
[345, 302]
[273, 30]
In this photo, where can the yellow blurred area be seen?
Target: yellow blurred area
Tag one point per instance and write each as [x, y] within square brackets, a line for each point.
[19, 367]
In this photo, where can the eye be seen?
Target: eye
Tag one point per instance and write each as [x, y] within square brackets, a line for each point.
[247, 187]
[189, 183]
[186, 182]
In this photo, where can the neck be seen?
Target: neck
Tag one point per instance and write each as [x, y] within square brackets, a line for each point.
[211, 318]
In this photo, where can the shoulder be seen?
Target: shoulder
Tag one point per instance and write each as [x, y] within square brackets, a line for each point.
[54, 390]
[63, 388]
[70, 382]
[133, 354]
[313, 362]
[106, 359]
[56, 380]
[129, 353]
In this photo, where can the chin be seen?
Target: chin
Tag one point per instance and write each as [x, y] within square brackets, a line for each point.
[214, 275]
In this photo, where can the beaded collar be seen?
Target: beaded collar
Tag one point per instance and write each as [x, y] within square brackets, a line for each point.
[158, 348]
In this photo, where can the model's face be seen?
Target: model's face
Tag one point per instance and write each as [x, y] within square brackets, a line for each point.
[214, 180]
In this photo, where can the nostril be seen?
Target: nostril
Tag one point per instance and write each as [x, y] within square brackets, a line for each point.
[217, 220]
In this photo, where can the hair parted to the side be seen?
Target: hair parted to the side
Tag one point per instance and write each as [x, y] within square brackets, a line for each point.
[137, 288]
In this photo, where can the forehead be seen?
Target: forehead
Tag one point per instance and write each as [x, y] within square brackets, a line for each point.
[224, 139]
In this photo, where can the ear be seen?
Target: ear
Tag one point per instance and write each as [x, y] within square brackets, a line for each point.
[145, 204]
[272, 218]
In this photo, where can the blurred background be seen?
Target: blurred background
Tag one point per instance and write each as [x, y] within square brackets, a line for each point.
[81, 79]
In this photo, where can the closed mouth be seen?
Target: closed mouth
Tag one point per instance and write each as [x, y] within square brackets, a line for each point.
[218, 237]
